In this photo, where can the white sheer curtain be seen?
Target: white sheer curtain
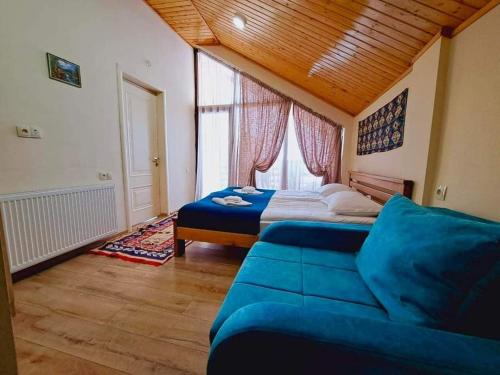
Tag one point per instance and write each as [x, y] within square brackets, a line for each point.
[213, 152]
[289, 171]
[275, 177]
[215, 82]
[216, 87]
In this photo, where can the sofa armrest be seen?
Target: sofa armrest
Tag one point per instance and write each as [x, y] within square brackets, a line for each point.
[281, 338]
[340, 237]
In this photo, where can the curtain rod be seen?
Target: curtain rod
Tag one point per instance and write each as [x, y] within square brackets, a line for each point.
[295, 102]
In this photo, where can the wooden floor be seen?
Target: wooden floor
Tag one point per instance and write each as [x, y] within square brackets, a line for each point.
[97, 315]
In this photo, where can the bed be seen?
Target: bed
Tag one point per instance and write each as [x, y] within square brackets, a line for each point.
[208, 222]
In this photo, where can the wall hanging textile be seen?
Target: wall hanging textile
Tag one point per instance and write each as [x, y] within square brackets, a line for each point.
[383, 130]
[320, 143]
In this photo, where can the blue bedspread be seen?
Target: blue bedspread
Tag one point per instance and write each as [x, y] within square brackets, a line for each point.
[205, 214]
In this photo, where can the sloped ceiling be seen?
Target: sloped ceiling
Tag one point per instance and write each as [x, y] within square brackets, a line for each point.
[344, 51]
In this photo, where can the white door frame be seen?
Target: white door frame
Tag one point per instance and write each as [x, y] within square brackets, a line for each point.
[162, 141]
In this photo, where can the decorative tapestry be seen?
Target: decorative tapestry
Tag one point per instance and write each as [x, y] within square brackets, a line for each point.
[383, 130]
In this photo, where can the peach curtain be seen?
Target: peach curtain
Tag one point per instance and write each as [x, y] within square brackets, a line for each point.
[320, 143]
[263, 117]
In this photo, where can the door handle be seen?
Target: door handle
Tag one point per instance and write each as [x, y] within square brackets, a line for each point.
[156, 161]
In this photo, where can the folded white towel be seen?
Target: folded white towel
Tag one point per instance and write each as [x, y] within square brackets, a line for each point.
[255, 192]
[233, 199]
[224, 202]
[248, 189]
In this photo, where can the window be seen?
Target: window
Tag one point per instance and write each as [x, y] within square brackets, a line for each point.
[289, 171]
[216, 85]
[213, 145]
[218, 92]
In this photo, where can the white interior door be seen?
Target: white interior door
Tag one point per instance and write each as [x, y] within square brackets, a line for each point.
[141, 122]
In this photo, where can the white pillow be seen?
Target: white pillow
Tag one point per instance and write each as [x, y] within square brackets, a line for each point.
[329, 189]
[352, 203]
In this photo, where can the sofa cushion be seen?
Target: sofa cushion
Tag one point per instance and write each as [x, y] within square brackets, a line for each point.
[422, 264]
[479, 312]
[319, 278]
[241, 294]
[271, 273]
[279, 252]
[334, 283]
[308, 255]
[335, 259]
[345, 308]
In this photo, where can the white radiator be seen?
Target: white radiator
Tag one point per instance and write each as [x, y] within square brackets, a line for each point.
[42, 225]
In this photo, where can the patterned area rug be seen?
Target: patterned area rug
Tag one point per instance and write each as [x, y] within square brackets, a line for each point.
[152, 244]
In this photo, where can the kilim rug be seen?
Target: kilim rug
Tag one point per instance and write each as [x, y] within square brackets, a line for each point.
[152, 244]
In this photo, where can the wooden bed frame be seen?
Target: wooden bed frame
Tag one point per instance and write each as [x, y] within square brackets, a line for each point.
[378, 188]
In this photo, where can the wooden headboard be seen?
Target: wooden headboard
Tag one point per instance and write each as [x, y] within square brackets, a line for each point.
[379, 188]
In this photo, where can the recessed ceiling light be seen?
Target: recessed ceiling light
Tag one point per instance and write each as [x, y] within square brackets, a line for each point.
[239, 21]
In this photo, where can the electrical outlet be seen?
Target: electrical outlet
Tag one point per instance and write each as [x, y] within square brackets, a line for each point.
[104, 176]
[23, 131]
[29, 132]
[35, 132]
[441, 192]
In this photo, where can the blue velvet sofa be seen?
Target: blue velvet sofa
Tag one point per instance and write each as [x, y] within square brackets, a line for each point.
[306, 300]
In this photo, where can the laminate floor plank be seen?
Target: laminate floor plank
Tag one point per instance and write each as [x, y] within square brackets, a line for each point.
[34, 359]
[100, 315]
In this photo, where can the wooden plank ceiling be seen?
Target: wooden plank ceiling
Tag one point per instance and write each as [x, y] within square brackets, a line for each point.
[185, 19]
[344, 51]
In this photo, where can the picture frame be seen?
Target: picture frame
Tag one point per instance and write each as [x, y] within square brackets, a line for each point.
[63, 70]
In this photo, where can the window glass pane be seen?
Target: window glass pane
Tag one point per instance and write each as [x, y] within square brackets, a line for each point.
[298, 177]
[215, 82]
[213, 147]
[216, 98]
[274, 177]
[289, 172]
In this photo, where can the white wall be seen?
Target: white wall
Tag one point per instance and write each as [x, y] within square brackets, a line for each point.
[452, 133]
[410, 160]
[243, 64]
[80, 125]
[468, 160]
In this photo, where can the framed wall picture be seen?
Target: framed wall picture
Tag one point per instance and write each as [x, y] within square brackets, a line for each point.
[63, 70]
